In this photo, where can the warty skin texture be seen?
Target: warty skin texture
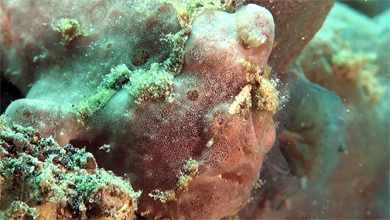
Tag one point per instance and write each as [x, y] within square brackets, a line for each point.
[151, 141]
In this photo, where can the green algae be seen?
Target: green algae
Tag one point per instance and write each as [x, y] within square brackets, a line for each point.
[163, 196]
[18, 210]
[260, 92]
[187, 173]
[156, 82]
[153, 84]
[69, 29]
[143, 84]
[112, 82]
[36, 174]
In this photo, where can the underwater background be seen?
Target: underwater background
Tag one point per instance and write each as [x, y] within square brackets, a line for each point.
[206, 109]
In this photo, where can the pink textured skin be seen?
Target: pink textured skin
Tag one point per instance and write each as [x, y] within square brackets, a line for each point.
[153, 141]
[165, 135]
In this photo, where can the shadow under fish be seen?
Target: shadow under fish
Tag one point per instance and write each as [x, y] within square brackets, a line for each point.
[313, 126]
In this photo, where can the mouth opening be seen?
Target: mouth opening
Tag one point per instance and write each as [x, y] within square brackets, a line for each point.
[234, 178]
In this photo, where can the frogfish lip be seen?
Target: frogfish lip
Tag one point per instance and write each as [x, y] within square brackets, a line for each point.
[238, 180]
[225, 190]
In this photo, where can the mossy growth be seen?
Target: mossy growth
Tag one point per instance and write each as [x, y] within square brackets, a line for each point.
[2, 123]
[187, 11]
[112, 82]
[188, 172]
[260, 92]
[174, 63]
[40, 178]
[69, 29]
[18, 210]
[163, 196]
[153, 84]
[254, 73]
[267, 96]
[119, 76]
[242, 102]
[89, 106]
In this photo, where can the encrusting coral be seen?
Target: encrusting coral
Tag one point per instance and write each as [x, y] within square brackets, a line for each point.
[41, 180]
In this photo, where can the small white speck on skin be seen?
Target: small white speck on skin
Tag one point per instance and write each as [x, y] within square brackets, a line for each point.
[263, 38]
[210, 142]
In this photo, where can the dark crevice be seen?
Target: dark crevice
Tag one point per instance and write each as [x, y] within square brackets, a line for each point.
[9, 93]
